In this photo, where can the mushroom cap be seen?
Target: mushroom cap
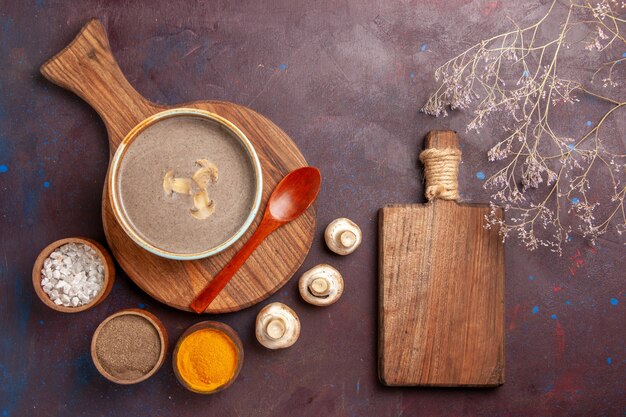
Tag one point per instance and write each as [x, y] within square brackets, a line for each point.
[343, 236]
[277, 326]
[321, 285]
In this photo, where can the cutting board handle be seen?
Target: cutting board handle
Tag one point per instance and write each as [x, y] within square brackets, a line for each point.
[87, 67]
[441, 165]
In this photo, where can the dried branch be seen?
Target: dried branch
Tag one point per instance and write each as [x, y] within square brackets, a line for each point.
[517, 76]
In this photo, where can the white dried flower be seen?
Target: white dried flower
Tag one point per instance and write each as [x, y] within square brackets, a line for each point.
[515, 75]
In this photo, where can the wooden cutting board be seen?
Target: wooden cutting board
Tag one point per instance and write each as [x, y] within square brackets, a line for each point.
[87, 67]
[441, 286]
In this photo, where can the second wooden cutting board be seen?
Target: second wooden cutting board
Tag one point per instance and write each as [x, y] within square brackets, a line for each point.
[441, 284]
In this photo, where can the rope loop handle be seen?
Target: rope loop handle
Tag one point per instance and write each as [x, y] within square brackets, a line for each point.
[441, 171]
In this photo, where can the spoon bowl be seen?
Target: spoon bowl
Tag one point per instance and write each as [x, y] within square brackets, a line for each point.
[294, 194]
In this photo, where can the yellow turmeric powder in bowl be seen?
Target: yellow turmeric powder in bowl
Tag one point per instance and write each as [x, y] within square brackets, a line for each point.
[208, 357]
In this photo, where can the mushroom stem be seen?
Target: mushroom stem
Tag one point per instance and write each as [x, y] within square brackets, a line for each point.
[347, 238]
[343, 236]
[319, 287]
[275, 328]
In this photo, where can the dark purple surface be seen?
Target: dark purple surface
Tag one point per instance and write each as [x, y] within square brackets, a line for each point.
[345, 81]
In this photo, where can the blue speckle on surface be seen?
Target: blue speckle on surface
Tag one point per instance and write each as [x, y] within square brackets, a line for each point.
[142, 305]
[624, 55]
[614, 301]
[4, 168]
[480, 175]
[530, 277]
[568, 302]
[609, 361]
[588, 123]
[569, 238]
[358, 386]
[412, 75]
[570, 146]
[5, 412]
[575, 200]
[535, 309]
[282, 67]
[526, 73]
[424, 47]
[46, 184]
[553, 317]
[149, 63]
[83, 364]
[41, 322]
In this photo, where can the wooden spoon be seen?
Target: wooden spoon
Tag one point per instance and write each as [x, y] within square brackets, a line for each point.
[292, 196]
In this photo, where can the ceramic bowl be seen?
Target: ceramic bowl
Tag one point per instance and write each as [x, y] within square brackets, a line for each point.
[114, 181]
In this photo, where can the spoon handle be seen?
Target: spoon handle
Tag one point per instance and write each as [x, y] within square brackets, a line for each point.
[217, 284]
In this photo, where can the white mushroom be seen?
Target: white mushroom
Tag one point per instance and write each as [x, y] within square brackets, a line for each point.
[277, 326]
[321, 285]
[176, 185]
[343, 236]
[206, 174]
[203, 205]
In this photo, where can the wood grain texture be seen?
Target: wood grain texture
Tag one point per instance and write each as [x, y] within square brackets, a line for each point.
[441, 294]
[87, 68]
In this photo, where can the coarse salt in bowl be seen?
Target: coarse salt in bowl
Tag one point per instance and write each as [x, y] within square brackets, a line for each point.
[73, 274]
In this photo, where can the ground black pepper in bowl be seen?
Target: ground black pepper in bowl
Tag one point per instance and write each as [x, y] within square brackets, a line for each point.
[128, 347]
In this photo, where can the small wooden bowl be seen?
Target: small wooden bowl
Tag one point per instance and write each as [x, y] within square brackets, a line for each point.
[109, 274]
[158, 325]
[228, 331]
